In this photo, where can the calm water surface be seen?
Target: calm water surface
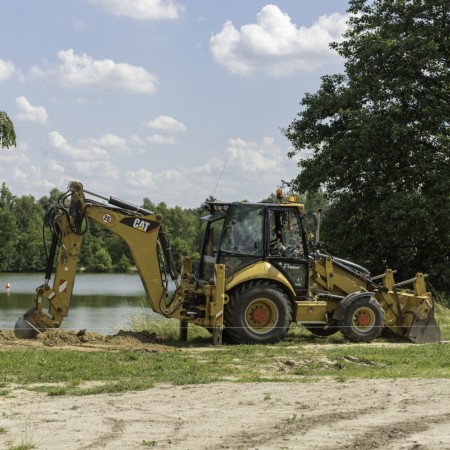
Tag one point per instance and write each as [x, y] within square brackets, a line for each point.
[104, 303]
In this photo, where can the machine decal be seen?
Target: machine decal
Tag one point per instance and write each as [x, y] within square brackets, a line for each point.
[51, 296]
[107, 218]
[219, 315]
[146, 226]
[62, 285]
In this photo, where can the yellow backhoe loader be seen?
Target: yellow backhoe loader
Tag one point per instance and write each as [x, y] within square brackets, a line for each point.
[257, 274]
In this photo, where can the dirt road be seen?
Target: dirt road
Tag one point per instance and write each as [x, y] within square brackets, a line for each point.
[355, 414]
[368, 414]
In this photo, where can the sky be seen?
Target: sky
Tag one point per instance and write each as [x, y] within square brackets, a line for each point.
[168, 100]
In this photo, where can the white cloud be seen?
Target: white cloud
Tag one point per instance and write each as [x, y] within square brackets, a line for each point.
[61, 146]
[275, 45]
[158, 139]
[109, 142]
[166, 123]
[242, 171]
[29, 113]
[7, 70]
[96, 169]
[87, 159]
[253, 157]
[141, 9]
[18, 169]
[82, 70]
[143, 178]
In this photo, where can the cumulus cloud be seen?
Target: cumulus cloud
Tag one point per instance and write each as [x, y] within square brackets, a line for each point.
[145, 179]
[243, 170]
[110, 143]
[7, 70]
[166, 123]
[275, 45]
[141, 9]
[158, 139]
[19, 169]
[82, 161]
[109, 140]
[84, 71]
[60, 145]
[29, 113]
[253, 157]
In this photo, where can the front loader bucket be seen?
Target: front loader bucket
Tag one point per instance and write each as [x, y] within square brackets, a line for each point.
[425, 331]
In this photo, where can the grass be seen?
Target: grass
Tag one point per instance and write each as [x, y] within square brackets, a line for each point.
[300, 357]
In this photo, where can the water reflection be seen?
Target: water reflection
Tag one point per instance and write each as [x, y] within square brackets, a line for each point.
[103, 303]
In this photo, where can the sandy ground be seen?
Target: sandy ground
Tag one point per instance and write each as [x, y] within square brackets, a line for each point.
[356, 414]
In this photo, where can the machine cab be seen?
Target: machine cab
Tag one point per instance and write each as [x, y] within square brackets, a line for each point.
[241, 234]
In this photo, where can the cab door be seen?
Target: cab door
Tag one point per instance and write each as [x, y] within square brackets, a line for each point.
[286, 246]
[242, 240]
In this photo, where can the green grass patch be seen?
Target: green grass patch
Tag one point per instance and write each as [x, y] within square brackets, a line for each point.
[300, 357]
[168, 329]
[63, 372]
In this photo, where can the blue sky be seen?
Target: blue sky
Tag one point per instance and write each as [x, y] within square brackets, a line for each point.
[169, 100]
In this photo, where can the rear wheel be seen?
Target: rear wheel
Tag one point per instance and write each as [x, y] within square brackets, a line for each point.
[258, 313]
[362, 319]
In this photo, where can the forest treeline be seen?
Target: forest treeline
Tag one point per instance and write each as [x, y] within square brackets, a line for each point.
[23, 239]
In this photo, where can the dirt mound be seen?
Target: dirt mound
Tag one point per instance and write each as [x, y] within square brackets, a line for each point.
[85, 340]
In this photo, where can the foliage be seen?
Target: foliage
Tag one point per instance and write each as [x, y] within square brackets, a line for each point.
[376, 139]
[7, 132]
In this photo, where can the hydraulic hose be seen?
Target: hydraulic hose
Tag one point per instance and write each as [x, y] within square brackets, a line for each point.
[167, 250]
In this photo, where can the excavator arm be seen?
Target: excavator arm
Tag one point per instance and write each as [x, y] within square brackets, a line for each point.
[139, 228]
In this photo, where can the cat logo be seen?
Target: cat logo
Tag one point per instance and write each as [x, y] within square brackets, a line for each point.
[141, 225]
[146, 226]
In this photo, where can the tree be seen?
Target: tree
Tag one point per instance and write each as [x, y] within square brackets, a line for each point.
[29, 251]
[377, 140]
[102, 262]
[8, 236]
[7, 132]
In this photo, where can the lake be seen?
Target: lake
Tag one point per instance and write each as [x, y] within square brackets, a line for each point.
[104, 303]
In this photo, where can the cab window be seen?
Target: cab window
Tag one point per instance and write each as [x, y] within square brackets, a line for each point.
[285, 233]
[243, 232]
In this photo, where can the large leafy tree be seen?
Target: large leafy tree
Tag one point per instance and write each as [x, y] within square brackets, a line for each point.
[7, 132]
[376, 138]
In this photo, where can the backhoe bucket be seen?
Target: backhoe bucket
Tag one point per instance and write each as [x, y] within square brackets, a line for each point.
[425, 331]
[26, 327]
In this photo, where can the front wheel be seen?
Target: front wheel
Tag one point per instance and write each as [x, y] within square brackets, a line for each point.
[362, 319]
[258, 312]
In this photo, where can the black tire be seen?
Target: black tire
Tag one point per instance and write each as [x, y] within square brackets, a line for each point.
[324, 330]
[258, 312]
[362, 319]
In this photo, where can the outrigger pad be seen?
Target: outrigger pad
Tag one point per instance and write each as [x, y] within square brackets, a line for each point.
[25, 329]
[425, 331]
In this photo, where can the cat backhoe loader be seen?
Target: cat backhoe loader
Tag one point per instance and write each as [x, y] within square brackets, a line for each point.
[257, 274]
